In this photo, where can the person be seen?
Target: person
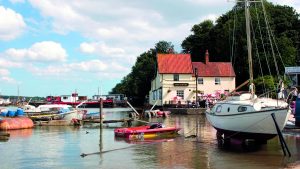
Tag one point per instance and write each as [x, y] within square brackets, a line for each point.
[251, 88]
[294, 93]
[280, 91]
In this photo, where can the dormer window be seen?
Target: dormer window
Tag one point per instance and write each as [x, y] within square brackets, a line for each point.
[176, 77]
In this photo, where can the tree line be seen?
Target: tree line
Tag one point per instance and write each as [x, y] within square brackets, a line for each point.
[226, 41]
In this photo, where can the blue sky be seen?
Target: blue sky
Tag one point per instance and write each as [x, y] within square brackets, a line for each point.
[54, 47]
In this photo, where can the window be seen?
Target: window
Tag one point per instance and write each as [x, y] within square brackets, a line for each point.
[200, 80]
[242, 109]
[180, 93]
[218, 109]
[176, 77]
[159, 94]
[153, 95]
[217, 81]
[65, 97]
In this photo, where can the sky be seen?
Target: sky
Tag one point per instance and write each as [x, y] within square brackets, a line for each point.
[56, 47]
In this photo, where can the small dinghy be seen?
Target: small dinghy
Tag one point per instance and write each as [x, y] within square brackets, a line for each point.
[156, 130]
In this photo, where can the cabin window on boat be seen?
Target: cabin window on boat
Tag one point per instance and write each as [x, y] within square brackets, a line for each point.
[217, 81]
[153, 95]
[180, 93]
[200, 80]
[218, 109]
[242, 109]
[176, 77]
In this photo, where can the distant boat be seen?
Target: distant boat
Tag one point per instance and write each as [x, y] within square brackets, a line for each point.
[50, 112]
[109, 101]
[246, 116]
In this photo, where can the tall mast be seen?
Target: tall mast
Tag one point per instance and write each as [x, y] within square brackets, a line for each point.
[249, 47]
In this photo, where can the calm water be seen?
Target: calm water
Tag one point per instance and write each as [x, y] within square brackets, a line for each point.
[61, 147]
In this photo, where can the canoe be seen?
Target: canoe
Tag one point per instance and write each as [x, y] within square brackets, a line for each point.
[146, 132]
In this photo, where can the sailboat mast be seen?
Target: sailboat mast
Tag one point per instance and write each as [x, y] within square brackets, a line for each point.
[249, 46]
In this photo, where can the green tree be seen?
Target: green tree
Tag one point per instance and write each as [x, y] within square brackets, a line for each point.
[226, 39]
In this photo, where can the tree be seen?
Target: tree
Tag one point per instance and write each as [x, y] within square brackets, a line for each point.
[226, 39]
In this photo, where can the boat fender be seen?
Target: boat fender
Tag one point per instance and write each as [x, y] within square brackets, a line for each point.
[74, 121]
[257, 106]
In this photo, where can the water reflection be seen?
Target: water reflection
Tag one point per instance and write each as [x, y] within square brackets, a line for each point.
[196, 147]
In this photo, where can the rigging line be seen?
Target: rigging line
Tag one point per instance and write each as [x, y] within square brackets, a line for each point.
[257, 54]
[233, 37]
[262, 40]
[269, 35]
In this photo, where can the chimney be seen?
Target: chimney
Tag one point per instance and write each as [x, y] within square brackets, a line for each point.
[206, 57]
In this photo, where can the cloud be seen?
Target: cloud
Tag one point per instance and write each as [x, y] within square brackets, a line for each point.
[9, 80]
[293, 3]
[96, 67]
[12, 24]
[4, 72]
[101, 48]
[4, 63]
[39, 52]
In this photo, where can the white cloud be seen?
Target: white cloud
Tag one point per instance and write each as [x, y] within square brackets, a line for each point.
[9, 80]
[89, 66]
[40, 52]
[4, 63]
[100, 48]
[4, 72]
[12, 24]
[98, 68]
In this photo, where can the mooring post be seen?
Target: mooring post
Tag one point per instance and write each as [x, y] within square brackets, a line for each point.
[100, 113]
[282, 141]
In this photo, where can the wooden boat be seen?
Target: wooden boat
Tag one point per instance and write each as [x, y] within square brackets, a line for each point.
[146, 132]
[246, 116]
[62, 113]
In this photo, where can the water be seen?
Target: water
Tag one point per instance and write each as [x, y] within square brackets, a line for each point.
[61, 147]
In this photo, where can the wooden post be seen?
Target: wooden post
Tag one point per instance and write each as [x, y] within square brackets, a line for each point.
[100, 113]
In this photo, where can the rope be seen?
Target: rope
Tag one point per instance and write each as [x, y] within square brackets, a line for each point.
[269, 35]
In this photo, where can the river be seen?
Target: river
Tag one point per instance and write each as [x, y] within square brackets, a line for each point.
[61, 147]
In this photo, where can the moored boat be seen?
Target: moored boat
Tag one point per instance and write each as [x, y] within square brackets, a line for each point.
[156, 113]
[246, 116]
[146, 132]
[51, 112]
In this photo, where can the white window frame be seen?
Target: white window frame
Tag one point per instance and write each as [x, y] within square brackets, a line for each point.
[180, 93]
[200, 80]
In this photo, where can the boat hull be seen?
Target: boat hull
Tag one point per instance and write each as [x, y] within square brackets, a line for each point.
[253, 125]
[144, 132]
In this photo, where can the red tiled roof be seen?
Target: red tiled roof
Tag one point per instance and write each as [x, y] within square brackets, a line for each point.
[214, 69]
[174, 63]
